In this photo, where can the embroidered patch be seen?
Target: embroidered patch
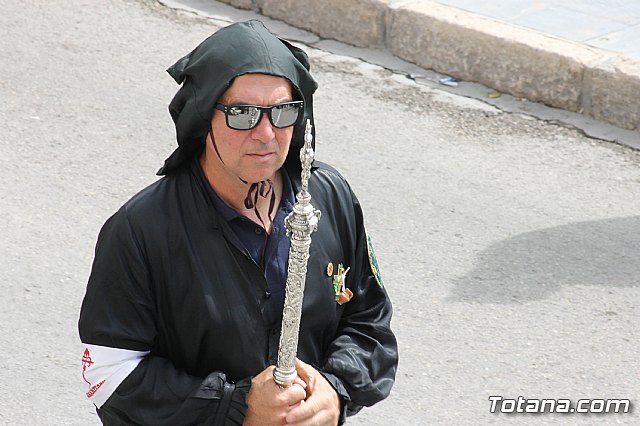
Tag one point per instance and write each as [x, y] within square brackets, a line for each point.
[373, 262]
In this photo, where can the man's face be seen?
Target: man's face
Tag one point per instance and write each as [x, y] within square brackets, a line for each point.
[256, 154]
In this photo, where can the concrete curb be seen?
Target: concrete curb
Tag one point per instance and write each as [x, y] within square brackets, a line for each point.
[522, 62]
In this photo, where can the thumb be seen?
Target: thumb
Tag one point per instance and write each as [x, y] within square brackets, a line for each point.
[306, 373]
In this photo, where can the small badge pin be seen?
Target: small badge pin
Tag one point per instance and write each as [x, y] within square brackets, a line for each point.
[330, 269]
[342, 294]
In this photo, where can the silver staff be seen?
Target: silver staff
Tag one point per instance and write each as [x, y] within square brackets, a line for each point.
[300, 223]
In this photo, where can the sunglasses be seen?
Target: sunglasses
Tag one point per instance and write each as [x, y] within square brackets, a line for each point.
[246, 117]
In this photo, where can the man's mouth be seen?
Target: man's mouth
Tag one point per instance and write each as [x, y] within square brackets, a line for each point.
[261, 154]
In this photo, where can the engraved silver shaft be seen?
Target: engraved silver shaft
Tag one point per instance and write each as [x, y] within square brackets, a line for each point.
[300, 223]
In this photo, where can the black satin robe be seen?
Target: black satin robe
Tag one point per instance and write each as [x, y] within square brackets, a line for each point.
[170, 277]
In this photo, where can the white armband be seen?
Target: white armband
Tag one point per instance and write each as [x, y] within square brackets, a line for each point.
[104, 368]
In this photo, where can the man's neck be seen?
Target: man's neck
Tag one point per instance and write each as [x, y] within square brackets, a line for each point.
[234, 193]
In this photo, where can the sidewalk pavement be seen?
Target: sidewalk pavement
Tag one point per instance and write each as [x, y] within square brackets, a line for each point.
[576, 55]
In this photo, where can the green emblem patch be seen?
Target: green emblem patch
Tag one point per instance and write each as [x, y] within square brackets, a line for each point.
[373, 262]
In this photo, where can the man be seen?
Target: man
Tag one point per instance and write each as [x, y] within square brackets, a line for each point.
[181, 318]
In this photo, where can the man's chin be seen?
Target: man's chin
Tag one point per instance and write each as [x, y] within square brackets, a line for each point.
[260, 177]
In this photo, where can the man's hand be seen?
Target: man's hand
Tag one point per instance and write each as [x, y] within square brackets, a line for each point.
[269, 404]
[322, 406]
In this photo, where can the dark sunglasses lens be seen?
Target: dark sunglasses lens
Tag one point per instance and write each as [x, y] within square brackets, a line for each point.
[242, 117]
[285, 115]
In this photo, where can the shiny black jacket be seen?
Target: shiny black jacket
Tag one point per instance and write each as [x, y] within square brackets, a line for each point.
[170, 277]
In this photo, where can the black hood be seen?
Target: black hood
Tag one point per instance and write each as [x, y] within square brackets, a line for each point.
[208, 71]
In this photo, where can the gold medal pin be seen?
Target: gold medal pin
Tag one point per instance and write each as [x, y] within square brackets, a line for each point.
[329, 269]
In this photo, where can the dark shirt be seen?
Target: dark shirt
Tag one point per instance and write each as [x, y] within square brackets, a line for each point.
[256, 240]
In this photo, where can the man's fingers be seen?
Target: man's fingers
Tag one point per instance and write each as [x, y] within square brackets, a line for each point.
[293, 394]
[300, 381]
[302, 412]
[322, 406]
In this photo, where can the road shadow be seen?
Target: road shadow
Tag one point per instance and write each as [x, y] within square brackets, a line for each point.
[534, 265]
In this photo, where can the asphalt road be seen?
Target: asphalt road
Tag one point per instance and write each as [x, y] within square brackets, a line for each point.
[509, 245]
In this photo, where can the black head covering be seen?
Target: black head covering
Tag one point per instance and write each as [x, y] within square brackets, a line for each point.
[208, 71]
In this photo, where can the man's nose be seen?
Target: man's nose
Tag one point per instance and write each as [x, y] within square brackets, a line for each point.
[263, 131]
